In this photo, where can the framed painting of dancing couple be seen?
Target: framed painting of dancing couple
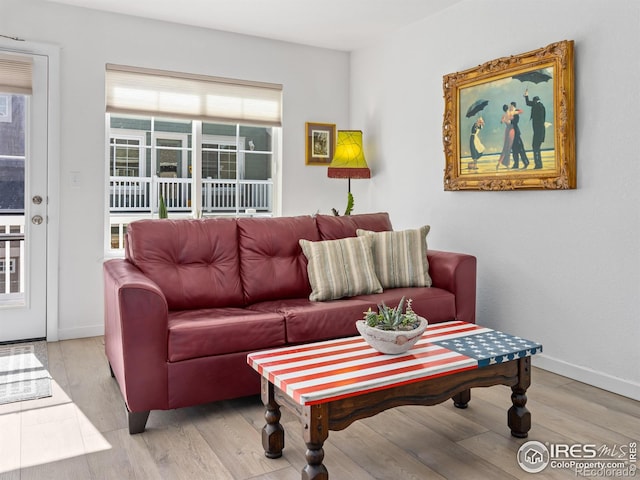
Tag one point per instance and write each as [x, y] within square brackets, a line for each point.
[509, 123]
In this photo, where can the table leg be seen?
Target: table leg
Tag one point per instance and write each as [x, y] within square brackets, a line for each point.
[315, 432]
[461, 400]
[272, 432]
[518, 417]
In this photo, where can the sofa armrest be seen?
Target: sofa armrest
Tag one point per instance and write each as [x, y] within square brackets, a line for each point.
[456, 272]
[136, 332]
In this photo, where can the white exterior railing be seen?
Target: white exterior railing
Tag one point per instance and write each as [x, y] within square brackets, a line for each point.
[133, 198]
[176, 193]
[225, 195]
[141, 194]
[12, 256]
[128, 194]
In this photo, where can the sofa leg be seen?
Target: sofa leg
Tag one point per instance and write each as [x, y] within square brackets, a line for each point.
[137, 421]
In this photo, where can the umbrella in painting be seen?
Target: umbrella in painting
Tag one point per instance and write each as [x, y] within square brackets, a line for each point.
[535, 76]
[477, 106]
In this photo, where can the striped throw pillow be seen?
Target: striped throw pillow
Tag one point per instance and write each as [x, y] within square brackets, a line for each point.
[340, 268]
[400, 258]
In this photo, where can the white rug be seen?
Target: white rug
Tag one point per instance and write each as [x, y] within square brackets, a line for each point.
[23, 372]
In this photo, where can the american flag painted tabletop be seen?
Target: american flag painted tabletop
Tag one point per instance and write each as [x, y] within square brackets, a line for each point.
[324, 371]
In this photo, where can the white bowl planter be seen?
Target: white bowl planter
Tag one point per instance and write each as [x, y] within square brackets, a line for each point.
[391, 342]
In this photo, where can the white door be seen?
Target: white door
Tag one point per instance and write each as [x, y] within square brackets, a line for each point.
[23, 209]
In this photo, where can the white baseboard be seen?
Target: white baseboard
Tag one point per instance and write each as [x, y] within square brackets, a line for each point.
[586, 375]
[81, 332]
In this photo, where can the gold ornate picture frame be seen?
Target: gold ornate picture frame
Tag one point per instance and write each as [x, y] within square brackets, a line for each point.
[320, 143]
[509, 123]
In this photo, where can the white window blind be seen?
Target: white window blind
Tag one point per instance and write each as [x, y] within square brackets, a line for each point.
[132, 90]
[15, 74]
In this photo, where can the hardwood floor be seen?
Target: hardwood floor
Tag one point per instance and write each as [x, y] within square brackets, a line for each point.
[81, 433]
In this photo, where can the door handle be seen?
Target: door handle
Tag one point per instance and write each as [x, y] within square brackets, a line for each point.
[37, 199]
[37, 219]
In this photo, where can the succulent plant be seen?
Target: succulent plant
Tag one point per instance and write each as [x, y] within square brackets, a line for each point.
[392, 318]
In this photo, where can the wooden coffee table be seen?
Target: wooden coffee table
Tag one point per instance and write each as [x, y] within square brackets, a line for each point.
[331, 384]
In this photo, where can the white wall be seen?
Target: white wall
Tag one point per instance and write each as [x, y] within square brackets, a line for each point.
[560, 267]
[316, 86]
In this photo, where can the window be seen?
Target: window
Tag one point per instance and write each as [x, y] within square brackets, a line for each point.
[219, 159]
[12, 156]
[5, 108]
[12, 266]
[125, 155]
[236, 164]
[205, 145]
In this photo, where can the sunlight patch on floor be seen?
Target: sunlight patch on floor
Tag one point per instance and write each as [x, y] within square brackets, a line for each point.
[37, 432]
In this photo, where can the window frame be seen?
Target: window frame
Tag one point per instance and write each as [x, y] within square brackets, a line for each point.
[198, 140]
[126, 134]
[234, 141]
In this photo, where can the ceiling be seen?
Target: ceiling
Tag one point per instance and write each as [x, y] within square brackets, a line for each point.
[337, 24]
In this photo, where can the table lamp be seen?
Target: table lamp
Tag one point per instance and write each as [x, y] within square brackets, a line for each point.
[348, 161]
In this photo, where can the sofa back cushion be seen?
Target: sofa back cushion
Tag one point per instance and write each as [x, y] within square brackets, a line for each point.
[333, 228]
[272, 265]
[194, 262]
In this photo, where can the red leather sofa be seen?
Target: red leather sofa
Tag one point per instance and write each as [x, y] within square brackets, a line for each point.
[192, 298]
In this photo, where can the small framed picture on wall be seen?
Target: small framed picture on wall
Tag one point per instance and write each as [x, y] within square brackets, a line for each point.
[320, 143]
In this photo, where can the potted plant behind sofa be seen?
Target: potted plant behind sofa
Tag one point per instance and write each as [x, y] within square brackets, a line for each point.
[348, 209]
[162, 208]
[392, 330]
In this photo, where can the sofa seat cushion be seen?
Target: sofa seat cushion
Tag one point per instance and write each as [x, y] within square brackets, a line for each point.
[309, 321]
[218, 331]
[434, 304]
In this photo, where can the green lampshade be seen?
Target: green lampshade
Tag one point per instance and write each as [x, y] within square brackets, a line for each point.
[348, 159]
